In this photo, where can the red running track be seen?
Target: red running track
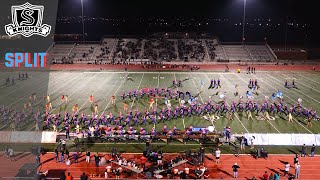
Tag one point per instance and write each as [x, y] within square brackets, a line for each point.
[249, 166]
[203, 67]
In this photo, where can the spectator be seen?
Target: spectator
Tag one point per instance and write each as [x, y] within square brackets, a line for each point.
[242, 143]
[56, 154]
[83, 176]
[69, 176]
[117, 173]
[313, 149]
[303, 150]
[271, 176]
[297, 170]
[198, 173]
[235, 168]
[265, 176]
[252, 141]
[62, 156]
[286, 169]
[276, 176]
[38, 159]
[11, 154]
[106, 173]
[147, 146]
[63, 142]
[96, 160]
[67, 153]
[6, 151]
[75, 157]
[183, 175]
[217, 154]
[68, 162]
[63, 176]
[296, 159]
[88, 157]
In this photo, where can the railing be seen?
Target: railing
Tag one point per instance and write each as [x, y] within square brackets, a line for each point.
[273, 54]
[240, 43]
[52, 44]
[74, 45]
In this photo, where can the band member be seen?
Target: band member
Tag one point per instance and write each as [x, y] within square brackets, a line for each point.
[91, 99]
[66, 97]
[75, 109]
[96, 109]
[290, 117]
[113, 100]
[151, 102]
[47, 98]
[125, 107]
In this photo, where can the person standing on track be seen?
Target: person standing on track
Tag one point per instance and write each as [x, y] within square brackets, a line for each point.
[297, 170]
[265, 176]
[286, 169]
[217, 154]
[235, 168]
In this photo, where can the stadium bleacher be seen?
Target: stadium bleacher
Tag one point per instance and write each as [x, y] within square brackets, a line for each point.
[127, 50]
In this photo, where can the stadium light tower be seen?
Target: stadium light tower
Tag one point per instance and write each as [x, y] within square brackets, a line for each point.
[83, 37]
[244, 19]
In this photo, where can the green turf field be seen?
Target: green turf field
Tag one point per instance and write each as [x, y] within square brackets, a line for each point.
[80, 85]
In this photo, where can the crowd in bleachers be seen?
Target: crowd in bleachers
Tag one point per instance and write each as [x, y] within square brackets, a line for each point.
[159, 49]
[211, 49]
[191, 49]
[127, 49]
[133, 51]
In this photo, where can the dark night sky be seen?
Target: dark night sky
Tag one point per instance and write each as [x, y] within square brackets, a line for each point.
[278, 10]
[168, 8]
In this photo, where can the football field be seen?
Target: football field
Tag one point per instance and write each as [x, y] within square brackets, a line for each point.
[79, 85]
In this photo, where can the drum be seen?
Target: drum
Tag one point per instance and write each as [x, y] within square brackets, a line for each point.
[108, 169]
[186, 170]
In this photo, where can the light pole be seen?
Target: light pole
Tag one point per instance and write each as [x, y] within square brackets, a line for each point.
[244, 19]
[83, 37]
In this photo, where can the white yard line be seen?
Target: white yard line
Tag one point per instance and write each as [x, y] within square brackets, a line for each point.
[306, 78]
[262, 94]
[38, 89]
[29, 83]
[293, 101]
[199, 93]
[303, 84]
[137, 90]
[175, 78]
[96, 89]
[80, 87]
[296, 90]
[124, 80]
[158, 87]
[235, 114]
